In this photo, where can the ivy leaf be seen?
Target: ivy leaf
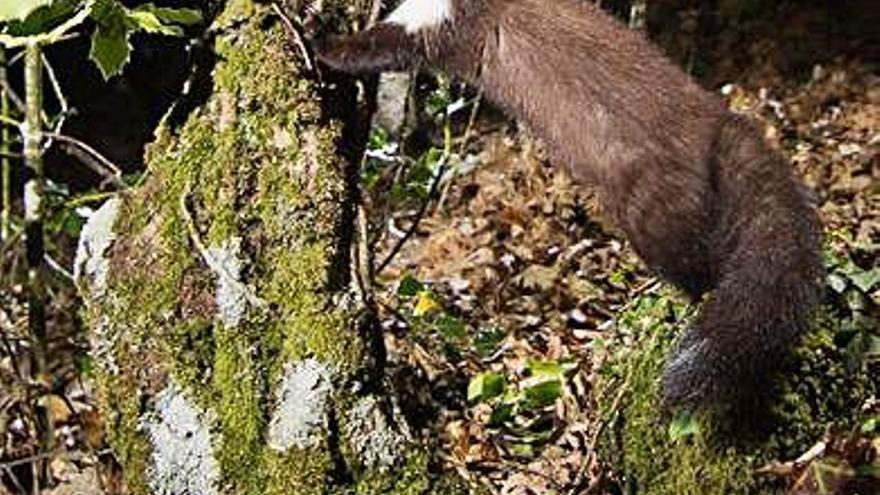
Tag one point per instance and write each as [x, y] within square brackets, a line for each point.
[542, 394]
[552, 370]
[42, 19]
[110, 50]
[409, 286]
[11, 10]
[167, 15]
[150, 23]
[866, 280]
[486, 386]
[161, 20]
[110, 47]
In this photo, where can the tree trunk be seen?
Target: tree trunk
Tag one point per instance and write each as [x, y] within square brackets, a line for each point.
[233, 350]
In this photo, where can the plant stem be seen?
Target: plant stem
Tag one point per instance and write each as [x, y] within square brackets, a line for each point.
[34, 200]
[5, 162]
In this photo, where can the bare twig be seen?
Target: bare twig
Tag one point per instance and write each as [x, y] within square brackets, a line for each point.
[60, 270]
[8, 121]
[62, 101]
[435, 185]
[295, 36]
[16, 100]
[5, 164]
[209, 259]
[92, 158]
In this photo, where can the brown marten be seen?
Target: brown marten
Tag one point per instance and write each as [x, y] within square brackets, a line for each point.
[704, 201]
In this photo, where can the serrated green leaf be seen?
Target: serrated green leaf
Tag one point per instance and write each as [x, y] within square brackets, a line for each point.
[169, 15]
[11, 10]
[148, 22]
[110, 46]
[545, 369]
[865, 280]
[110, 51]
[486, 386]
[542, 394]
[684, 425]
[43, 19]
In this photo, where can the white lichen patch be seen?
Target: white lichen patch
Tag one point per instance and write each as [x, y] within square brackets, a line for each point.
[183, 455]
[376, 441]
[231, 297]
[90, 266]
[300, 415]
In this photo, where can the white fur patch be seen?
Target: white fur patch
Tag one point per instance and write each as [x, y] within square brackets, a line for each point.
[415, 15]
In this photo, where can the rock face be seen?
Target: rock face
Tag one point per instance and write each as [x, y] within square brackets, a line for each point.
[223, 323]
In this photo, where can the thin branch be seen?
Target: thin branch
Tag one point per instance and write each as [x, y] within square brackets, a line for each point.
[435, 185]
[60, 270]
[10, 122]
[93, 158]
[16, 100]
[209, 259]
[295, 36]
[5, 163]
[62, 101]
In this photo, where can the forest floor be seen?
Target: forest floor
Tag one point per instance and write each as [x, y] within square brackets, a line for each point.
[513, 270]
[519, 256]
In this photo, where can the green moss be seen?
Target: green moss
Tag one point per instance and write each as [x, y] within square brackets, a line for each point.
[295, 471]
[412, 477]
[236, 382]
[121, 418]
[638, 444]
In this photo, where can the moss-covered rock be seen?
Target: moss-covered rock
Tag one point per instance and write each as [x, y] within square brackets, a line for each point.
[655, 453]
[227, 361]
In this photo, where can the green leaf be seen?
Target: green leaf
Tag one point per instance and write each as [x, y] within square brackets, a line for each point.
[43, 19]
[110, 47]
[409, 286]
[167, 15]
[684, 425]
[501, 413]
[110, 50]
[866, 280]
[11, 10]
[486, 386]
[148, 22]
[870, 426]
[488, 339]
[545, 369]
[542, 394]
[451, 327]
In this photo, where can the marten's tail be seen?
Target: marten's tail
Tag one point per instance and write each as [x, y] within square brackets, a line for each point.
[767, 271]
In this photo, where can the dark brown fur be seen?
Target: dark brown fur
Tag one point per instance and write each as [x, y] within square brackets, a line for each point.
[703, 200]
